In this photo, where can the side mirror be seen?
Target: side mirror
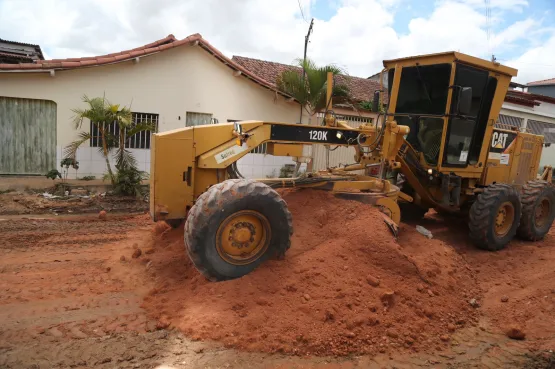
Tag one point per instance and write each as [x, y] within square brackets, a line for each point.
[376, 101]
[464, 101]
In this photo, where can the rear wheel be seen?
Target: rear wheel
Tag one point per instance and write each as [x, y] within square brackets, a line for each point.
[234, 226]
[538, 210]
[494, 217]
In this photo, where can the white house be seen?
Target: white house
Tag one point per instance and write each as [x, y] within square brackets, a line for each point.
[172, 83]
[532, 113]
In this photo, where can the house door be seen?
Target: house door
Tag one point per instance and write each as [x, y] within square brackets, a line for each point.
[27, 136]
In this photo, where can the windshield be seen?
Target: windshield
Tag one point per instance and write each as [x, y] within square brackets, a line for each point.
[423, 89]
[425, 135]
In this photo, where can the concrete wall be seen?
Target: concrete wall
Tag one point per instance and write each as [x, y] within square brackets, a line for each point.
[169, 83]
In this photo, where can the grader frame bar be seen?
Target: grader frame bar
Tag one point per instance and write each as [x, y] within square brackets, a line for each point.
[206, 153]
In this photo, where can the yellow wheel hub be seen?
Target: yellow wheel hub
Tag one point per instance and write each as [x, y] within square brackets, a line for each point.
[243, 237]
[504, 219]
[542, 212]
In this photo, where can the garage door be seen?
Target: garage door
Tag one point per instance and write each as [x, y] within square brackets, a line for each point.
[27, 136]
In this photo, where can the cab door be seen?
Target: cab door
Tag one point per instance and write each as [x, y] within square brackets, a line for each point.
[465, 134]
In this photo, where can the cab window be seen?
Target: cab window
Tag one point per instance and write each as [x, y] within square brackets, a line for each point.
[462, 132]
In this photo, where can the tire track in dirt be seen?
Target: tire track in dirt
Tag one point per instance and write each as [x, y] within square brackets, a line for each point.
[84, 310]
[56, 280]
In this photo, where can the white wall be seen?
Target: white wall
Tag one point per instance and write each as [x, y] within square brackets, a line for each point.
[169, 83]
[264, 166]
[545, 112]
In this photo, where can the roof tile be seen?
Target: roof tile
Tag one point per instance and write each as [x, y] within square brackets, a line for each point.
[166, 43]
[85, 63]
[70, 64]
[362, 89]
[550, 81]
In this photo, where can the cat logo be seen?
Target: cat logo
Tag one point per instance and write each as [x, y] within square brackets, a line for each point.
[499, 140]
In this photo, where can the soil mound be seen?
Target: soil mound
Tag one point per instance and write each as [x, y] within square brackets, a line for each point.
[344, 287]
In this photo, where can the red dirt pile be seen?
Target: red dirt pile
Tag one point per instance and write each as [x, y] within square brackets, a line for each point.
[344, 287]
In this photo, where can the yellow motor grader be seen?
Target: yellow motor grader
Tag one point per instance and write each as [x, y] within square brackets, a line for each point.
[437, 134]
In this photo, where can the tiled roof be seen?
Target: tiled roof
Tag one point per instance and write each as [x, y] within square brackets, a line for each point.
[362, 89]
[527, 99]
[550, 81]
[36, 47]
[166, 43]
[22, 58]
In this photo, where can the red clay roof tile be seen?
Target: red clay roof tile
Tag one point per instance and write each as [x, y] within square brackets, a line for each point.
[160, 45]
[550, 81]
[362, 89]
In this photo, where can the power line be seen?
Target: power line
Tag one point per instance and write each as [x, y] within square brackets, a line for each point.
[488, 24]
[301, 8]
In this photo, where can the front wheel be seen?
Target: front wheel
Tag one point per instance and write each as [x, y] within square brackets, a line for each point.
[538, 210]
[494, 217]
[234, 226]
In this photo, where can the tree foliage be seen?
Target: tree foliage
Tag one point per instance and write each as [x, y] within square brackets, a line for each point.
[100, 112]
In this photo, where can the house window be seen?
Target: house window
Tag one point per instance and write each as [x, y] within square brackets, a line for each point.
[139, 140]
[197, 119]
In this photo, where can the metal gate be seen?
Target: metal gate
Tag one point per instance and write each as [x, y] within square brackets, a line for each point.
[27, 136]
[336, 156]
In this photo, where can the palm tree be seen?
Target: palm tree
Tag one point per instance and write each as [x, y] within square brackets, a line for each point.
[101, 113]
[311, 92]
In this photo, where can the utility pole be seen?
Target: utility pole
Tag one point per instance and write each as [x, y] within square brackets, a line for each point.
[306, 38]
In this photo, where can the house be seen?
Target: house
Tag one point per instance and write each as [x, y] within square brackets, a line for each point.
[533, 113]
[362, 89]
[376, 77]
[545, 87]
[170, 83]
[12, 52]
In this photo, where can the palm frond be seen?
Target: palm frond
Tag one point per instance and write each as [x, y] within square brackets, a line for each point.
[124, 159]
[140, 127]
[70, 151]
[291, 83]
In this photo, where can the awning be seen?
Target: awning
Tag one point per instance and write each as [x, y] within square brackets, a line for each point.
[547, 130]
[507, 120]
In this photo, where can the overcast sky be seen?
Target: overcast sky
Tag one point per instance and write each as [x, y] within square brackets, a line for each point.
[355, 34]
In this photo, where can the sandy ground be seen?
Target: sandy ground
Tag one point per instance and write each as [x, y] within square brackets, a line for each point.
[20, 183]
[72, 295]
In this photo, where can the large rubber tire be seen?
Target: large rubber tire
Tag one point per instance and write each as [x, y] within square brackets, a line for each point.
[483, 213]
[534, 194]
[216, 205]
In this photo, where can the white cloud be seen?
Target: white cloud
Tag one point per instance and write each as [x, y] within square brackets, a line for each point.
[358, 36]
[537, 63]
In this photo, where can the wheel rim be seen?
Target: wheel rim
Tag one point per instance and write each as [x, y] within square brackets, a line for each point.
[243, 237]
[542, 211]
[504, 219]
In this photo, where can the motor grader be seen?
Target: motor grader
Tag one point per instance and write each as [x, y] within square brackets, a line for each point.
[435, 143]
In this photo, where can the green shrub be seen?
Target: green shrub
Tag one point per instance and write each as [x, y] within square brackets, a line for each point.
[53, 174]
[129, 182]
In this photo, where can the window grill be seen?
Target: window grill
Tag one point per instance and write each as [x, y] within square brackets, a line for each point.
[139, 140]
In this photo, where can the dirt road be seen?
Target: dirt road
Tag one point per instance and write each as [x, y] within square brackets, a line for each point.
[72, 295]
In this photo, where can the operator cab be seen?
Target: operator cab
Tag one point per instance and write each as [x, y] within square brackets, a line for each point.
[446, 101]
